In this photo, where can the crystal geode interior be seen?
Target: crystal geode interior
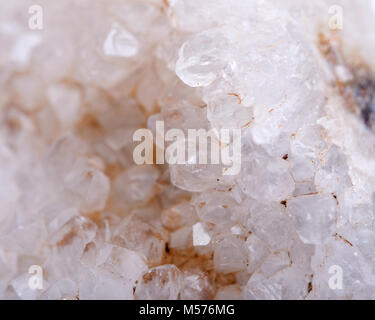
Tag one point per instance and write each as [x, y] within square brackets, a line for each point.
[101, 227]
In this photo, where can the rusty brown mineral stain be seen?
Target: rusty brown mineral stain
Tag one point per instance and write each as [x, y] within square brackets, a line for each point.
[339, 236]
[239, 99]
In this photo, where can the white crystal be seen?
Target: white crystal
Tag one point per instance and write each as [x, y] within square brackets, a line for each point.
[181, 238]
[160, 283]
[101, 227]
[230, 255]
[120, 42]
[65, 102]
[22, 49]
[199, 62]
[314, 217]
[197, 286]
[200, 235]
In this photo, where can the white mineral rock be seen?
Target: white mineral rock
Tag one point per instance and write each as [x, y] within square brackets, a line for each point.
[297, 221]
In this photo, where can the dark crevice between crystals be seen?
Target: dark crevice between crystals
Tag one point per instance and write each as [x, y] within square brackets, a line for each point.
[359, 92]
[364, 97]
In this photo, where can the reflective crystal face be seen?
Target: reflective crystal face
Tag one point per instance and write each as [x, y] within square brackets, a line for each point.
[81, 219]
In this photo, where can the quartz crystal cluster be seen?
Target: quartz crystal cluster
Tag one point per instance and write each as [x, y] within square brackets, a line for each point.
[74, 203]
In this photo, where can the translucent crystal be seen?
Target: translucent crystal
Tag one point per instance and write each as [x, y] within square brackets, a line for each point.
[197, 286]
[160, 283]
[120, 42]
[200, 235]
[297, 85]
[257, 252]
[230, 255]
[65, 102]
[200, 58]
[314, 217]
[136, 185]
[134, 234]
[181, 239]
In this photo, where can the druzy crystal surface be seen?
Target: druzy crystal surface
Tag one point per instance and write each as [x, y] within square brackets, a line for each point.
[74, 203]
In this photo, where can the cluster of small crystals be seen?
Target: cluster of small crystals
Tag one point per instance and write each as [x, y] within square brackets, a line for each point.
[73, 201]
